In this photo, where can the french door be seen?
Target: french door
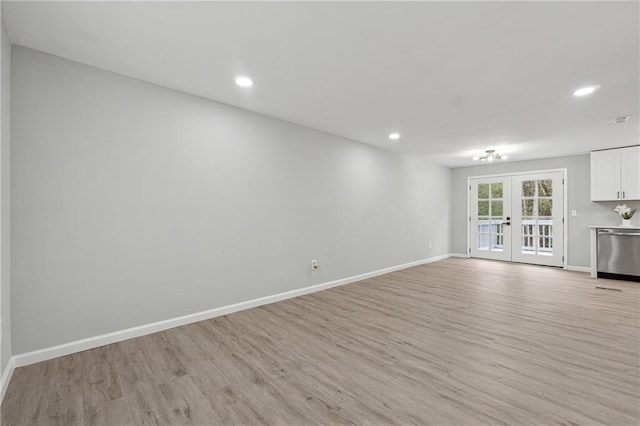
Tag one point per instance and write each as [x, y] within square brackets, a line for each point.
[491, 218]
[518, 218]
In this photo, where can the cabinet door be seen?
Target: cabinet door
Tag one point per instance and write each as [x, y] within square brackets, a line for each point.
[630, 173]
[605, 175]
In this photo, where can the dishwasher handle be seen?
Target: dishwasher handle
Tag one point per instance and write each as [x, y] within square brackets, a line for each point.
[624, 234]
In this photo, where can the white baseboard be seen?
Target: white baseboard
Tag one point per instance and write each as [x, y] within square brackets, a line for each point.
[459, 255]
[118, 336]
[578, 268]
[6, 377]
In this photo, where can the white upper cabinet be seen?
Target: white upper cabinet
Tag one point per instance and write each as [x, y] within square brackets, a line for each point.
[615, 174]
[630, 173]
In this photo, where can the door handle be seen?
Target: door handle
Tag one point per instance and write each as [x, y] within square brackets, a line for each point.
[618, 196]
[623, 194]
[508, 221]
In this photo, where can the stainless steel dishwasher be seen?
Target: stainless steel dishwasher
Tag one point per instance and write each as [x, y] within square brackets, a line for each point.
[619, 254]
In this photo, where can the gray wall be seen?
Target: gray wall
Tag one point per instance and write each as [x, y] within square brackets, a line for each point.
[133, 204]
[578, 194]
[5, 191]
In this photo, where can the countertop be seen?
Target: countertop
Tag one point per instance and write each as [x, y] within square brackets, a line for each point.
[614, 227]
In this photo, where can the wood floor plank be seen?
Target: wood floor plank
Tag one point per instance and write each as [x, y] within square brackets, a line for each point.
[458, 341]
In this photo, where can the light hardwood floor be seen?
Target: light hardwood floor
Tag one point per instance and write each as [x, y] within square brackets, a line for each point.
[453, 342]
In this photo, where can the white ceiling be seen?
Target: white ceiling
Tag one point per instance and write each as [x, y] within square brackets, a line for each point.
[453, 78]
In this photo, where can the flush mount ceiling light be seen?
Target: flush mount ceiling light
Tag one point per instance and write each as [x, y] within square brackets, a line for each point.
[394, 136]
[584, 91]
[244, 81]
[490, 155]
[622, 119]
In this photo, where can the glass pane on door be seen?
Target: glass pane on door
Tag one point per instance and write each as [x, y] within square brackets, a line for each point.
[490, 235]
[536, 230]
[484, 236]
[497, 236]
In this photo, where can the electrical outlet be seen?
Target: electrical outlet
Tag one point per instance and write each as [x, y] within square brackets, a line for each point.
[429, 244]
[574, 213]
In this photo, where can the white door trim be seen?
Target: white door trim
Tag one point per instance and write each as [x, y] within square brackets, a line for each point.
[565, 227]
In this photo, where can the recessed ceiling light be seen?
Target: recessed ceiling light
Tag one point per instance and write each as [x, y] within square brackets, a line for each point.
[244, 81]
[620, 120]
[394, 136]
[584, 91]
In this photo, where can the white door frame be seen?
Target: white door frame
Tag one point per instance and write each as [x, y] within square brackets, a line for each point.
[565, 219]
